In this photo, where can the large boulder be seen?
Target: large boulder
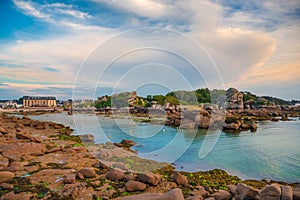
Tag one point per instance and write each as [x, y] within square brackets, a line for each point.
[296, 192]
[234, 99]
[150, 178]
[133, 186]
[179, 179]
[246, 192]
[286, 192]
[115, 174]
[222, 195]
[88, 172]
[271, 192]
[5, 176]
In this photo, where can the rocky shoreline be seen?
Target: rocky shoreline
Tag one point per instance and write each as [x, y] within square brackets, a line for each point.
[42, 160]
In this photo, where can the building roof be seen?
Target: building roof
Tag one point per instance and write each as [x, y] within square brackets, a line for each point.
[38, 98]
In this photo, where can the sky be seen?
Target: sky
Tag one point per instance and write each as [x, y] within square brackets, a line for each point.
[91, 47]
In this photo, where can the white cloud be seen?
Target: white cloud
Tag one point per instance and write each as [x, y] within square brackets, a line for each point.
[54, 14]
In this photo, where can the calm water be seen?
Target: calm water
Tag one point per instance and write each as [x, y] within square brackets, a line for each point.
[273, 152]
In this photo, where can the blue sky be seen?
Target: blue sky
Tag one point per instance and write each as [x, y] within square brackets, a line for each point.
[254, 44]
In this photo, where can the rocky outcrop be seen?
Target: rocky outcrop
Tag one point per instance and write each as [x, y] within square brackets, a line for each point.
[234, 99]
[179, 179]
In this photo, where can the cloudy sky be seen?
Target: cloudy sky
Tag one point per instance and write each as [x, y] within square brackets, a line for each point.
[48, 46]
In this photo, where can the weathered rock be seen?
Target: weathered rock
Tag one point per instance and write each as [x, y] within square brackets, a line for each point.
[88, 172]
[40, 127]
[27, 136]
[7, 186]
[14, 166]
[231, 126]
[286, 192]
[222, 195]
[270, 192]
[199, 190]
[3, 162]
[253, 127]
[5, 176]
[234, 99]
[72, 190]
[150, 178]
[133, 186]
[296, 193]
[174, 194]
[20, 196]
[3, 130]
[130, 177]
[198, 197]
[15, 151]
[115, 174]
[246, 192]
[179, 179]
[128, 143]
[232, 189]
[169, 185]
[204, 122]
[87, 138]
[69, 178]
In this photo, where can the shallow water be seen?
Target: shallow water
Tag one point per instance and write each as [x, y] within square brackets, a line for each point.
[272, 152]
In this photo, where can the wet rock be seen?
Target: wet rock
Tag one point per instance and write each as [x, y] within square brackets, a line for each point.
[179, 179]
[286, 192]
[70, 178]
[222, 195]
[88, 172]
[5, 176]
[270, 192]
[246, 192]
[133, 186]
[253, 127]
[231, 126]
[128, 143]
[115, 174]
[150, 178]
[87, 138]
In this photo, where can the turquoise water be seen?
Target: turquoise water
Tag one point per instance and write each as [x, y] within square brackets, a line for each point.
[273, 152]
